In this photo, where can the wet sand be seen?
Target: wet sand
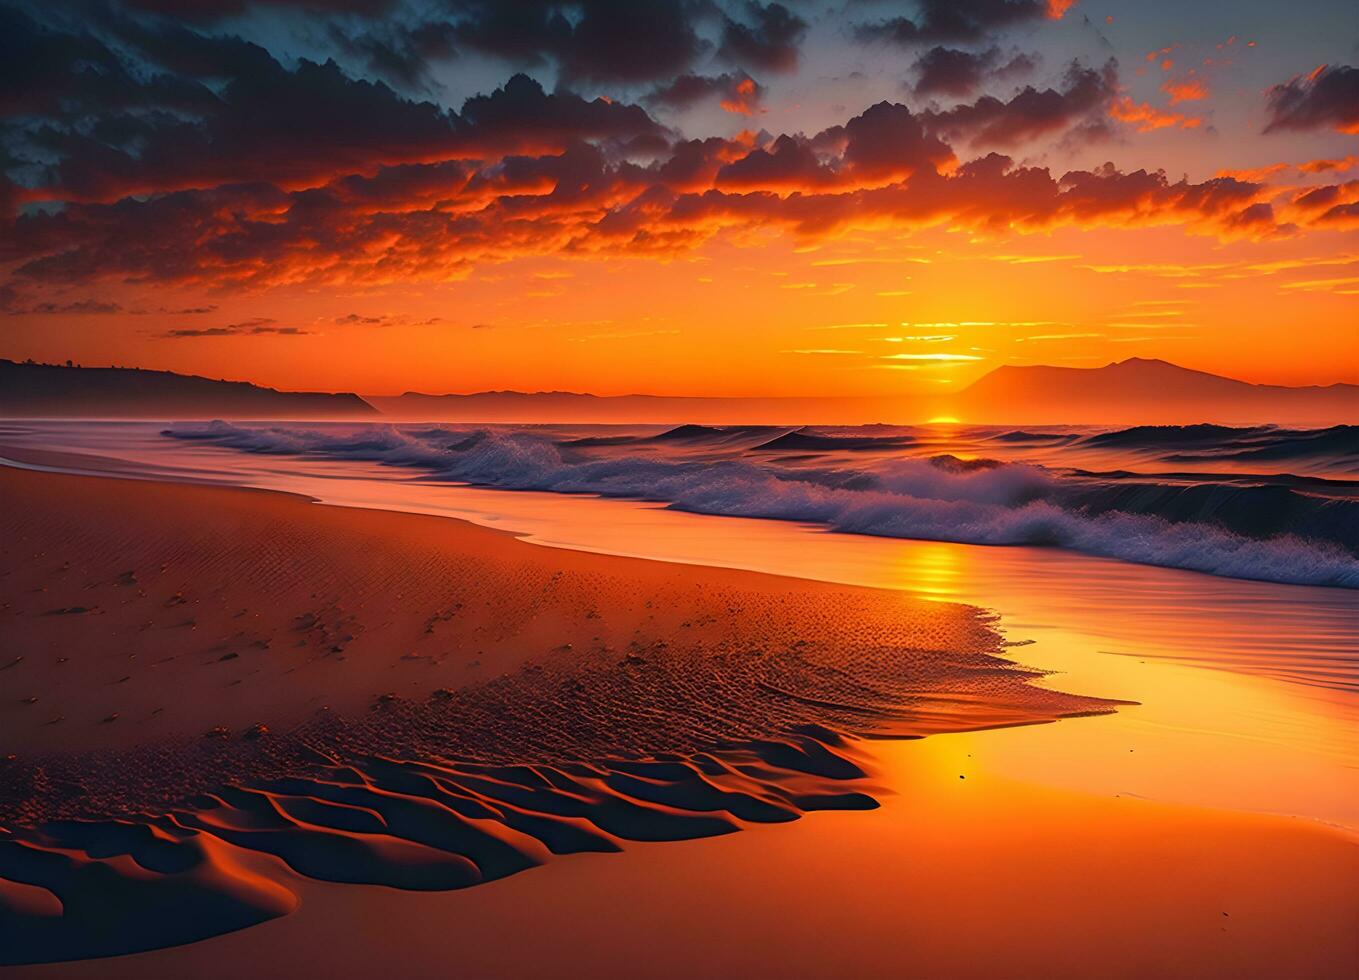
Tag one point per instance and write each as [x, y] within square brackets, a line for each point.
[686, 733]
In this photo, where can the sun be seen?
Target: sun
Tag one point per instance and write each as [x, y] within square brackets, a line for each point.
[943, 420]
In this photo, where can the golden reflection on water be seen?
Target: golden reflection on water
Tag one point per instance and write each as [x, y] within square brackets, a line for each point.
[1248, 693]
[1229, 738]
[932, 568]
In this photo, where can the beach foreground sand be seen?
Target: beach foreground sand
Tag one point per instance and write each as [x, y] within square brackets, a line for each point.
[220, 704]
[209, 685]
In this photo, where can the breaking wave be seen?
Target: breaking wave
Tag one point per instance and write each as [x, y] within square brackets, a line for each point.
[1271, 533]
[1251, 444]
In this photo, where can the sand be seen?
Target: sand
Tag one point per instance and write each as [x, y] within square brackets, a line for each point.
[223, 709]
[206, 687]
[949, 880]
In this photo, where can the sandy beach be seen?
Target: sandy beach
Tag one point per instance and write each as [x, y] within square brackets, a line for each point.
[731, 489]
[295, 716]
[204, 678]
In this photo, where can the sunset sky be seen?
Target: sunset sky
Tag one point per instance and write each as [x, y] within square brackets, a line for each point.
[712, 197]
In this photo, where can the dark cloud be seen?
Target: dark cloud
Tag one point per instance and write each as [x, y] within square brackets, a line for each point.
[953, 71]
[401, 54]
[1319, 197]
[952, 20]
[210, 10]
[9, 304]
[288, 127]
[766, 38]
[1341, 216]
[960, 73]
[1327, 98]
[590, 40]
[887, 141]
[737, 92]
[884, 166]
[1255, 218]
[1031, 113]
[520, 117]
[988, 193]
[48, 71]
[250, 328]
[693, 164]
[790, 163]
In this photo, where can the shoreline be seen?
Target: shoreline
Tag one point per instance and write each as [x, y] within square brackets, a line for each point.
[294, 900]
[225, 676]
[1318, 562]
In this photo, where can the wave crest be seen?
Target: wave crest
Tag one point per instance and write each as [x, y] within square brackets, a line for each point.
[1218, 529]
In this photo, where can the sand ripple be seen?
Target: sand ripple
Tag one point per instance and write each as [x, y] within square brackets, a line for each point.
[80, 888]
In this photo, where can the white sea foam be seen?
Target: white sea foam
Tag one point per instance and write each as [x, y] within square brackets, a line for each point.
[905, 497]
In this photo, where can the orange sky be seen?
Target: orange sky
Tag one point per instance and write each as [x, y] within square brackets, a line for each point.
[837, 232]
[778, 316]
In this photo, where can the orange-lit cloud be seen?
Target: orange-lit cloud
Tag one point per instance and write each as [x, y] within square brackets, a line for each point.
[1187, 88]
[736, 93]
[1325, 166]
[1256, 174]
[1145, 117]
[882, 169]
[1326, 97]
[742, 97]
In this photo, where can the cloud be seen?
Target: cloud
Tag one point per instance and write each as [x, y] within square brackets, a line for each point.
[790, 164]
[588, 40]
[887, 141]
[209, 10]
[402, 54]
[1341, 216]
[200, 111]
[1327, 166]
[960, 73]
[8, 304]
[1325, 98]
[1145, 117]
[250, 328]
[1032, 112]
[1189, 87]
[164, 154]
[736, 92]
[880, 168]
[767, 37]
[959, 20]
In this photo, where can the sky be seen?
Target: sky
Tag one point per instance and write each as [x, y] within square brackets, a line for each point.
[705, 197]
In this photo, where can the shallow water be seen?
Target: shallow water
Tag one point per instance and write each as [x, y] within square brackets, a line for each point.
[1248, 691]
[1256, 503]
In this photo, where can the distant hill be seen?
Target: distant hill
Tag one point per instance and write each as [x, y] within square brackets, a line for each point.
[1148, 391]
[1132, 392]
[570, 406]
[50, 390]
